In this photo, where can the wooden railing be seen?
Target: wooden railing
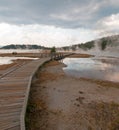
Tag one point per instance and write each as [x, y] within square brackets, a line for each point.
[54, 56]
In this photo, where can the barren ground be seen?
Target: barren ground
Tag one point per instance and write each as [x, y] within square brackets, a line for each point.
[15, 62]
[61, 102]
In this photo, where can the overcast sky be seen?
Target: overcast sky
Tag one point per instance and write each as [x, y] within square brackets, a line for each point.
[57, 22]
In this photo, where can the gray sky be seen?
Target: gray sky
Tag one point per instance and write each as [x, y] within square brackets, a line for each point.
[57, 22]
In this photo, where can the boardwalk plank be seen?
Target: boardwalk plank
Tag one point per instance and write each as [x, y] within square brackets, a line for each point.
[13, 90]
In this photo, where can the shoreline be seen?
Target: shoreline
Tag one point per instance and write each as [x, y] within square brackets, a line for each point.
[59, 101]
[32, 55]
[80, 55]
[15, 62]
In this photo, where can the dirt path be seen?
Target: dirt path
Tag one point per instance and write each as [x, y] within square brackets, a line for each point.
[61, 102]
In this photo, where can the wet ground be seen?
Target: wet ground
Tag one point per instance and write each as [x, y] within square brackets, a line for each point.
[61, 102]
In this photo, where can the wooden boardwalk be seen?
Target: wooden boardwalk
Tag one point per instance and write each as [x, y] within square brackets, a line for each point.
[14, 90]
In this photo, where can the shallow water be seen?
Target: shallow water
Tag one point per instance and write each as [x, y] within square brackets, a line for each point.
[9, 60]
[102, 68]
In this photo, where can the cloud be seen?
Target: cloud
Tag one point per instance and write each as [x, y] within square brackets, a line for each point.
[57, 22]
[43, 35]
[108, 25]
[63, 13]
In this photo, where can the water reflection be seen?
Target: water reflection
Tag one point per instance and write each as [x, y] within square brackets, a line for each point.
[9, 60]
[96, 68]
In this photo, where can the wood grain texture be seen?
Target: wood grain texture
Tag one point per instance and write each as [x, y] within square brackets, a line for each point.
[13, 93]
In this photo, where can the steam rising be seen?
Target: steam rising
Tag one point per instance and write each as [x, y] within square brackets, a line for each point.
[108, 46]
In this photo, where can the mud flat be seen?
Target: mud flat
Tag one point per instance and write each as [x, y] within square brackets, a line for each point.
[61, 102]
[79, 55]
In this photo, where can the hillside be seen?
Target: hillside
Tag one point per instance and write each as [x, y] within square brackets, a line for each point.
[107, 42]
[102, 44]
[12, 46]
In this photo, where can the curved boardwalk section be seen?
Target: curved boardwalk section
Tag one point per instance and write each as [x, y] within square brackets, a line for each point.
[14, 90]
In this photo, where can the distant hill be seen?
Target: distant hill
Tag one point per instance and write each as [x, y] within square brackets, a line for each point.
[102, 44]
[107, 42]
[12, 46]
[106, 46]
